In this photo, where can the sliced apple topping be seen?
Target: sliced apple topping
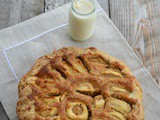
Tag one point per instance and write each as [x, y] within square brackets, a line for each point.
[52, 100]
[49, 112]
[56, 117]
[99, 101]
[136, 93]
[69, 68]
[99, 60]
[79, 66]
[77, 111]
[116, 115]
[117, 89]
[118, 105]
[110, 72]
[63, 96]
[85, 88]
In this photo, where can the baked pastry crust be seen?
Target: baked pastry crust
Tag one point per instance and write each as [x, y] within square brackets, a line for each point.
[79, 84]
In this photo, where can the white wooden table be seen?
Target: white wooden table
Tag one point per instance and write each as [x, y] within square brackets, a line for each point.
[137, 20]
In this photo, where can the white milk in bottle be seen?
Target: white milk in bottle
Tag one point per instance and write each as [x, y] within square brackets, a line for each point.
[82, 17]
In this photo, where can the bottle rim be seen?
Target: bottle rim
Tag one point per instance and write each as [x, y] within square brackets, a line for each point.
[92, 2]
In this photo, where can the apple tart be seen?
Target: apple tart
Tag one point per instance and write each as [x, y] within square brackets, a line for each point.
[79, 84]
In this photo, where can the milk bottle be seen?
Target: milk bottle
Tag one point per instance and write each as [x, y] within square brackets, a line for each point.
[82, 18]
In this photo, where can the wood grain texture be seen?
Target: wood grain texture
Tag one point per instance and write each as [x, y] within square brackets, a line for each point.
[139, 23]
[104, 4]
[16, 11]
[31, 8]
[108, 39]
[3, 114]
[137, 20]
[52, 4]
[4, 13]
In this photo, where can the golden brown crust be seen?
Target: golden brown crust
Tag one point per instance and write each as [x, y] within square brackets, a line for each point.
[77, 84]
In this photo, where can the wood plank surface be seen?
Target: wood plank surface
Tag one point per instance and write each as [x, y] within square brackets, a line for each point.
[139, 23]
[3, 115]
[104, 4]
[52, 4]
[137, 20]
[16, 11]
[23, 56]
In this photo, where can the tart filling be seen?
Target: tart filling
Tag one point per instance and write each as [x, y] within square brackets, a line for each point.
[77, 84]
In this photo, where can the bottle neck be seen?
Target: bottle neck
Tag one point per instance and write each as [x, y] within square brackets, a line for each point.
[83, 7]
